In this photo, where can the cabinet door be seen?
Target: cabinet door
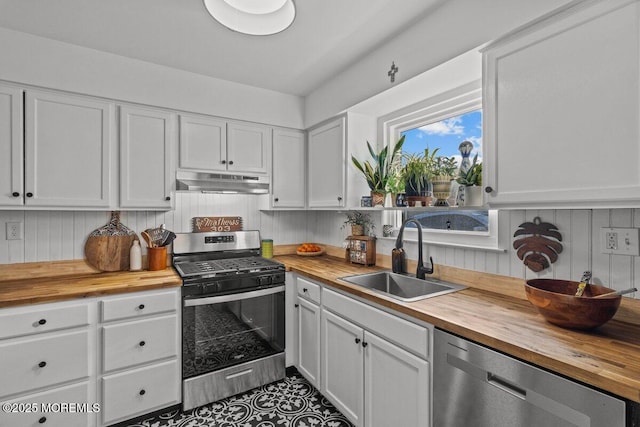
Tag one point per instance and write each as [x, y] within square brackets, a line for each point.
[248, 147]
[560, 110]
[203, 143]
[11, 147]
[288, 174]
[396, 389]
[67, 150]
[147, 139]
[309, 341]
[342, 366]
[326, 166]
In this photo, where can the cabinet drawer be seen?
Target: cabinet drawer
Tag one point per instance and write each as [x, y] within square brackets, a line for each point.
[138, 305]
[308, 290]
[43, 361]
[140, 391]
[414, 338]
[47, 408]
[141, 341]
[36, 319]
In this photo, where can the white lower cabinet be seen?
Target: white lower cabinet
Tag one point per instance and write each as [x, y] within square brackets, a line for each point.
[374, 381]
[309, 341]
[140, 369]
[48, 360]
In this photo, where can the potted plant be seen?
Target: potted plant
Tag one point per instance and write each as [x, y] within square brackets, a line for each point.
[378, 173]
[395, 185]
[360, 223]
[471, 180]
[417, 174]
[444, 171]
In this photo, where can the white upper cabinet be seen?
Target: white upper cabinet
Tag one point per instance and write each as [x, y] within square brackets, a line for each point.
[288, 174]
[561, 110]
[326, 165]
[147, 138]
[203, 143]
[11, 147]
[212, 144]
[67, 150]
[248, 147]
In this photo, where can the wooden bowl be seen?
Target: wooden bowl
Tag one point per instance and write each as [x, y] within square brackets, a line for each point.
[556, 301]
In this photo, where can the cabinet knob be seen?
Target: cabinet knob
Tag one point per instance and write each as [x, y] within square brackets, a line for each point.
[339, 198]
[42, 364]
[305, 290]
[223, 161]
[488, 189]
[142, 343]
[15, 194]
[142, 392]
[296, 305]
[167, 198]
[29, 194]
[276, 200]
[141, 307]
[42, 321]
[230, 162]
[364, 343]
[42, 420]
[358, 340]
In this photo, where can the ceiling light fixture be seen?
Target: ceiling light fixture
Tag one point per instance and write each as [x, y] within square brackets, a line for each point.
[254, 17]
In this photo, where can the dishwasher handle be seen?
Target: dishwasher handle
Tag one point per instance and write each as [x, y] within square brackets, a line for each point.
[506, 386]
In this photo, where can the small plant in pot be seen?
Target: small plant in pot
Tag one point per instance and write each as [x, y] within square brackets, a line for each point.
[395, 185]
[444, 171]
[417, 174]
[377, 174]
[360, 223]
[472, 182]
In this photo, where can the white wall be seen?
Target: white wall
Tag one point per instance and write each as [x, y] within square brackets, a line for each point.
[38, 61]
[430, 42]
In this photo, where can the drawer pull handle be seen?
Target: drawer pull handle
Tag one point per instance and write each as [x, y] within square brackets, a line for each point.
[42, 364]
[364, 343]
[305, 290]
[42, 321]
[358, 340]
[42, 420]
[142, 392]
[296, 305]
[141, 306]
[142, 343]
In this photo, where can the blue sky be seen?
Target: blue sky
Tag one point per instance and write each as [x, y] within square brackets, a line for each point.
[447, 134]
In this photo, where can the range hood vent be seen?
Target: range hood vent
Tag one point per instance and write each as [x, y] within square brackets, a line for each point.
[221, 183]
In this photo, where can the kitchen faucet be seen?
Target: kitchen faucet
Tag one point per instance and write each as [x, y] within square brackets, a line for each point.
[398, 258]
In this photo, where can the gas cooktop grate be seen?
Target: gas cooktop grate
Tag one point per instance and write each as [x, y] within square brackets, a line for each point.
[222, 266]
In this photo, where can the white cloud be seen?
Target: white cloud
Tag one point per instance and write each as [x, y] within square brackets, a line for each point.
[445, 127]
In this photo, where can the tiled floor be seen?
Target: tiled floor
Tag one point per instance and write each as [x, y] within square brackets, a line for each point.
[292, 402]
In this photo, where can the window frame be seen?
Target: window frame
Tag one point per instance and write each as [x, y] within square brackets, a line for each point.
[458, 101]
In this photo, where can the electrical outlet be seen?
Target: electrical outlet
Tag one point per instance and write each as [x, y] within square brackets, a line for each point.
[620, 241]
[14, 231]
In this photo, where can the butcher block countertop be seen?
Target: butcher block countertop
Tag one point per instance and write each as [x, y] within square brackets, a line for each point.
[36, 283]
[607, 358]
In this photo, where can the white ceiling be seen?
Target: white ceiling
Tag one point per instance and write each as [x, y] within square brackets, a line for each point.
[325, 38]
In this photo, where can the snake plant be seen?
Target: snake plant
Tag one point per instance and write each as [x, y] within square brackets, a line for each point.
[377, 174]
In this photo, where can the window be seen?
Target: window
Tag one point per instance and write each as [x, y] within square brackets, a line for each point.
[443, 122]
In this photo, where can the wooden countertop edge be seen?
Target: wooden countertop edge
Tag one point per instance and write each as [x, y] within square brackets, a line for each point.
[562, 351]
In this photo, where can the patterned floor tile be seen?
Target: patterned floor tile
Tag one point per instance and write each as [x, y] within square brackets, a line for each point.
[292, 402]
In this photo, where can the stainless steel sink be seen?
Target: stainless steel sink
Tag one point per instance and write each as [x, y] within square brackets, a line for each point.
[402, 287]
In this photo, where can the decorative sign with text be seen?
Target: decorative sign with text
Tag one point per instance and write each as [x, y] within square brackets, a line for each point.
[217, 223]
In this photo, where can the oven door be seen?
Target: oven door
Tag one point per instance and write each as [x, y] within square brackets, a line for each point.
[227, 330]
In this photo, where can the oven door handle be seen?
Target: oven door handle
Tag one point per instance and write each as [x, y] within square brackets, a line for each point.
[232, 297]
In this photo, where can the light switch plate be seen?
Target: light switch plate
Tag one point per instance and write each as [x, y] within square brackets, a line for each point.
[620, 241]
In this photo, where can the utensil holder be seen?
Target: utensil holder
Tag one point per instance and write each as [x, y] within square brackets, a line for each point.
[157, 258]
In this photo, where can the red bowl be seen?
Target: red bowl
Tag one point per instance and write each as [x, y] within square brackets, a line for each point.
[556, 301]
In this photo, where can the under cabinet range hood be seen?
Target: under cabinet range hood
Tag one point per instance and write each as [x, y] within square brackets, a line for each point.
[221, 183]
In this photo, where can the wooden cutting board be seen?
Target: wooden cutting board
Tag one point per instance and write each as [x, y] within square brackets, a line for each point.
[107, 248]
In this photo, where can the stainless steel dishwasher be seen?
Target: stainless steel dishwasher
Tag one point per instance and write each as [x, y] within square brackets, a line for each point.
[476, 386]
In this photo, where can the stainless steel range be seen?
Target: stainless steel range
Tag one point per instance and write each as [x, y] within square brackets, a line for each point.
[232, 316]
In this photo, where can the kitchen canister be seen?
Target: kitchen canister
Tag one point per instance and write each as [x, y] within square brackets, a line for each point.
[157, 258]
[267, 248]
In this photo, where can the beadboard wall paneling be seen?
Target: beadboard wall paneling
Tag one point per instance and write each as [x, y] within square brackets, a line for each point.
[58, 235]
